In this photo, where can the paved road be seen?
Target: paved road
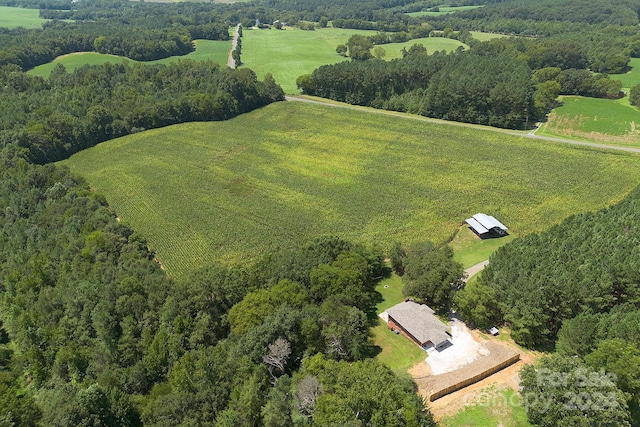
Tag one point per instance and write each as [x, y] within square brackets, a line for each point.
[475, 269]
[432, 120]
[231, 63]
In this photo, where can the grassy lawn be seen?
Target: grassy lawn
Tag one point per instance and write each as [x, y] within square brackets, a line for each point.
[600, 120]
[496, 407]
[469, 249]
[12, 17]
[288, 54]
[443, 10]
[397, 352]
[229, 191]
[215, 50]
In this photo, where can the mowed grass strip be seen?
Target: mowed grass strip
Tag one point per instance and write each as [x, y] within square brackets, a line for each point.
[290, 53]
[13, 17]
[214, 50]
[601, 120]
[282, 175]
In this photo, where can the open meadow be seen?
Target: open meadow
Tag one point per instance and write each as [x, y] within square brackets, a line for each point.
[13, 17]
[230, 191]
[214, 50]
[288, 54]
[605, 121]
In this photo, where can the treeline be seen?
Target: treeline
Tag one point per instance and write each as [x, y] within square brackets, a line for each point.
[605, 32]
[492, 90]
[143, 32]
[586, 264]
[92, 321]
[56, 117]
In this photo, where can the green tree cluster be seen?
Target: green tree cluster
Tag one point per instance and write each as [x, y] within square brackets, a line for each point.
[56, 117]
[585, 264]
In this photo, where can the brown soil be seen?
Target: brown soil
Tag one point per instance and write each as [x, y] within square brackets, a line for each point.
[454, 402]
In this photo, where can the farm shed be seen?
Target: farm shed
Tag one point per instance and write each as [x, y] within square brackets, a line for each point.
[486, 226]
[418, 323]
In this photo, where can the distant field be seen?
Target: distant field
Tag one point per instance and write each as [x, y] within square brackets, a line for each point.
[600, 120]
[443, 10]
[215, 50]
[13, 17]
[630, 78]
[230, 191]
[288, 54]
[479, 35]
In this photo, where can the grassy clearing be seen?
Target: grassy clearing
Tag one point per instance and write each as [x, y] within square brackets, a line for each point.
[215, 50]
[288, 54]
[230, 191]
[496, 407]
[469, 249]
[601, 120]
[433, 44]
[632, 77]
[13, 17]
[479, 35]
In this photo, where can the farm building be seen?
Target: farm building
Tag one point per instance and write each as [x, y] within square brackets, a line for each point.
[486, 226]
[418, 323]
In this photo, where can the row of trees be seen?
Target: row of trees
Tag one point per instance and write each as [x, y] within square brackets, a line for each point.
[493, 90]
[56, 117]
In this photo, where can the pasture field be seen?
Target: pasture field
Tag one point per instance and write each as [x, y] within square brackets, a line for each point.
[231, 191]
[13, 17]
[288, 54]
[215, 50]
[443, 10]
[600, 120]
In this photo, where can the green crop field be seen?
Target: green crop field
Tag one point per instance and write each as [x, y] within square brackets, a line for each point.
[601, 120]
[215, 50]
[443, 10]
[12, 17]
[288, 54]
[230, 191]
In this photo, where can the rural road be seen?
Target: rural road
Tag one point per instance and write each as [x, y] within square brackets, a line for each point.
[231, 63]
[475, 269]
[439, 121]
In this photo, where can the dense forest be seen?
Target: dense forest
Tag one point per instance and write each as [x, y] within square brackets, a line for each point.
[100, 335]
[491, 84]
[56, 117]
[93, 332]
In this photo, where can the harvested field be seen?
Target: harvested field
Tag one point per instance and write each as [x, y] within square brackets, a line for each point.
[499, 357]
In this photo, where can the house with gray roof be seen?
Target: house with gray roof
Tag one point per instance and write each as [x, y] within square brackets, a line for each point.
[418, 323]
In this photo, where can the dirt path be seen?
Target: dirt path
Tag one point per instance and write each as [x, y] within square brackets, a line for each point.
[432, 120]
[475, 269]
